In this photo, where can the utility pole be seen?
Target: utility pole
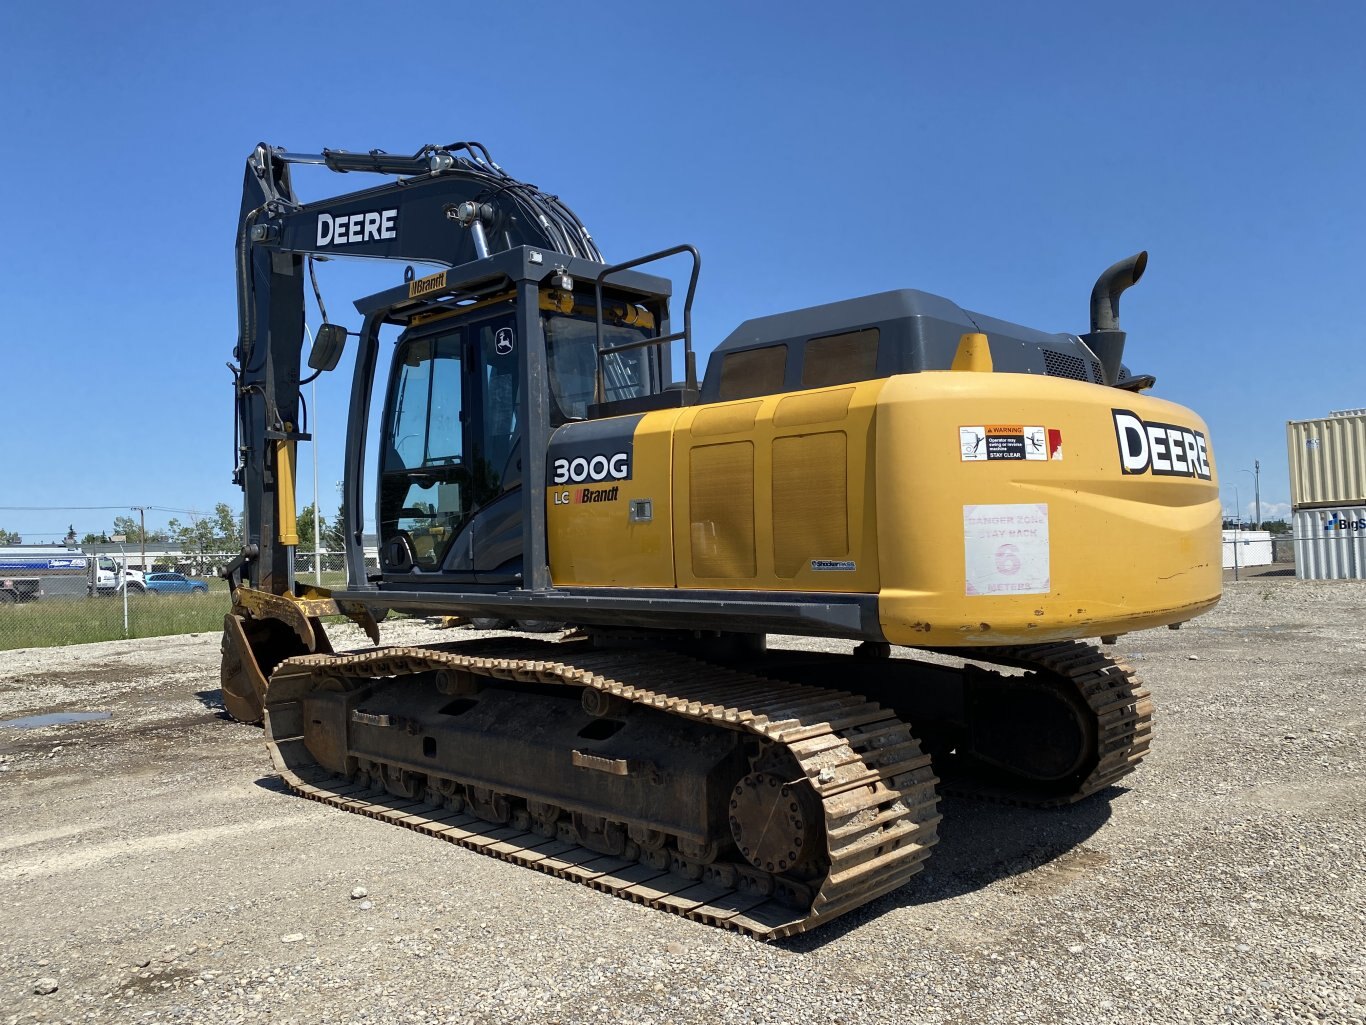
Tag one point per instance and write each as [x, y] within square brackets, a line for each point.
[317, 514]
[142, 536]
[1257, 486]
[119, 539]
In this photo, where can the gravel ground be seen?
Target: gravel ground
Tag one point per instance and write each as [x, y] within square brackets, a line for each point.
[152, 870]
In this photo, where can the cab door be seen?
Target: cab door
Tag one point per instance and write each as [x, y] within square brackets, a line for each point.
[424, 488]
[450, 467]
[490, 543]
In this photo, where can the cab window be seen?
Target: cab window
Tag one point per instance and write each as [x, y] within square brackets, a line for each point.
[571, 358]
[423, 480]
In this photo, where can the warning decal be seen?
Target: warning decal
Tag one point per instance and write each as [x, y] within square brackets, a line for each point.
[1005, 549]
[1009, 441]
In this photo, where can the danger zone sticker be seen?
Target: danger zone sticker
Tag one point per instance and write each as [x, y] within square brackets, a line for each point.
[1005, 549]
[988, 442]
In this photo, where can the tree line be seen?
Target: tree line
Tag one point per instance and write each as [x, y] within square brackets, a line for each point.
[217, 532]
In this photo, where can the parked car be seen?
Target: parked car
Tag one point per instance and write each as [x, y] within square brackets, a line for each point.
[173, 583]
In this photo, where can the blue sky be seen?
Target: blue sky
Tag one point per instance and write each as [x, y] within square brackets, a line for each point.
[1000, 154]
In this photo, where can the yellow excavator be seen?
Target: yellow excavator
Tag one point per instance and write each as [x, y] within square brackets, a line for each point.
[892, 471]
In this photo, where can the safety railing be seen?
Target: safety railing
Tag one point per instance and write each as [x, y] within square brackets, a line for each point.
[689, 357]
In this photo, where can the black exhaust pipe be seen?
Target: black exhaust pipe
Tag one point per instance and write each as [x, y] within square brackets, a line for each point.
[1105, 338]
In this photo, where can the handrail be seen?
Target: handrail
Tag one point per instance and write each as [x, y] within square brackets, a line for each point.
[689, 360]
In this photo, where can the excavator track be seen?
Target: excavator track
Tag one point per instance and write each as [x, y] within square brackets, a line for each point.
[1121, 707]
[862, 775]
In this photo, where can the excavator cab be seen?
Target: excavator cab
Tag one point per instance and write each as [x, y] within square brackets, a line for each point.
[450, 457]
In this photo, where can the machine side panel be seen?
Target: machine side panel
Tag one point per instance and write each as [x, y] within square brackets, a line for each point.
[599, 475]
[778, 493]
[1018, 508]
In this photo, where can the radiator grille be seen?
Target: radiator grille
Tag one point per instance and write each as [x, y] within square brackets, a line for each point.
[1060, 364]
[810, 501]
[721, 482]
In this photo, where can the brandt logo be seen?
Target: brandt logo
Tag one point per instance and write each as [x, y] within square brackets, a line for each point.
[590, 495]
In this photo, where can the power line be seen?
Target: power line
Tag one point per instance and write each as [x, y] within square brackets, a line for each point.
[101, 508]
[74, 508]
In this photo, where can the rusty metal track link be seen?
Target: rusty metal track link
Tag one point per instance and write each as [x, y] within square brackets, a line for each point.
[875, 788]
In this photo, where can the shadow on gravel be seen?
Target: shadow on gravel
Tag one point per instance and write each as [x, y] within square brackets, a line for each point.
[979, 844]
[1258, 572]
[213, 700]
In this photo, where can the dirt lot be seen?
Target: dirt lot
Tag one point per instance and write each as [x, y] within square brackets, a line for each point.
[152, 869]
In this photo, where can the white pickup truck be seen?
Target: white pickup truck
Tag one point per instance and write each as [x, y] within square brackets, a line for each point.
[108, 576]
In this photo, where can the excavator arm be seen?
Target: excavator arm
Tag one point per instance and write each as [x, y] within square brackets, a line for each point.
[445, 205]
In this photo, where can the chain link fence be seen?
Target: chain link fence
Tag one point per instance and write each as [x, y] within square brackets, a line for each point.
[68, 597]
[1258, 553]
[76, 598]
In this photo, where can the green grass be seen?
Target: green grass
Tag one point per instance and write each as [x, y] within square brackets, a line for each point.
[335, 579]
[57, 620]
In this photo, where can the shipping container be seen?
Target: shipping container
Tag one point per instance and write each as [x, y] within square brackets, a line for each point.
[1328, 460]
[1330, 544]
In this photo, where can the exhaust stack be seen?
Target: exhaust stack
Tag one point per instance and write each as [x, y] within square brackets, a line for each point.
[1105, 338]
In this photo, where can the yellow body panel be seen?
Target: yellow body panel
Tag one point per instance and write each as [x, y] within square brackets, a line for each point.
[1118, 551]
[979, 508]
[777, 493]
[596, 543]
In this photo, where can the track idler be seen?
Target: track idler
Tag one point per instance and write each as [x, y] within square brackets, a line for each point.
[1075, 723]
